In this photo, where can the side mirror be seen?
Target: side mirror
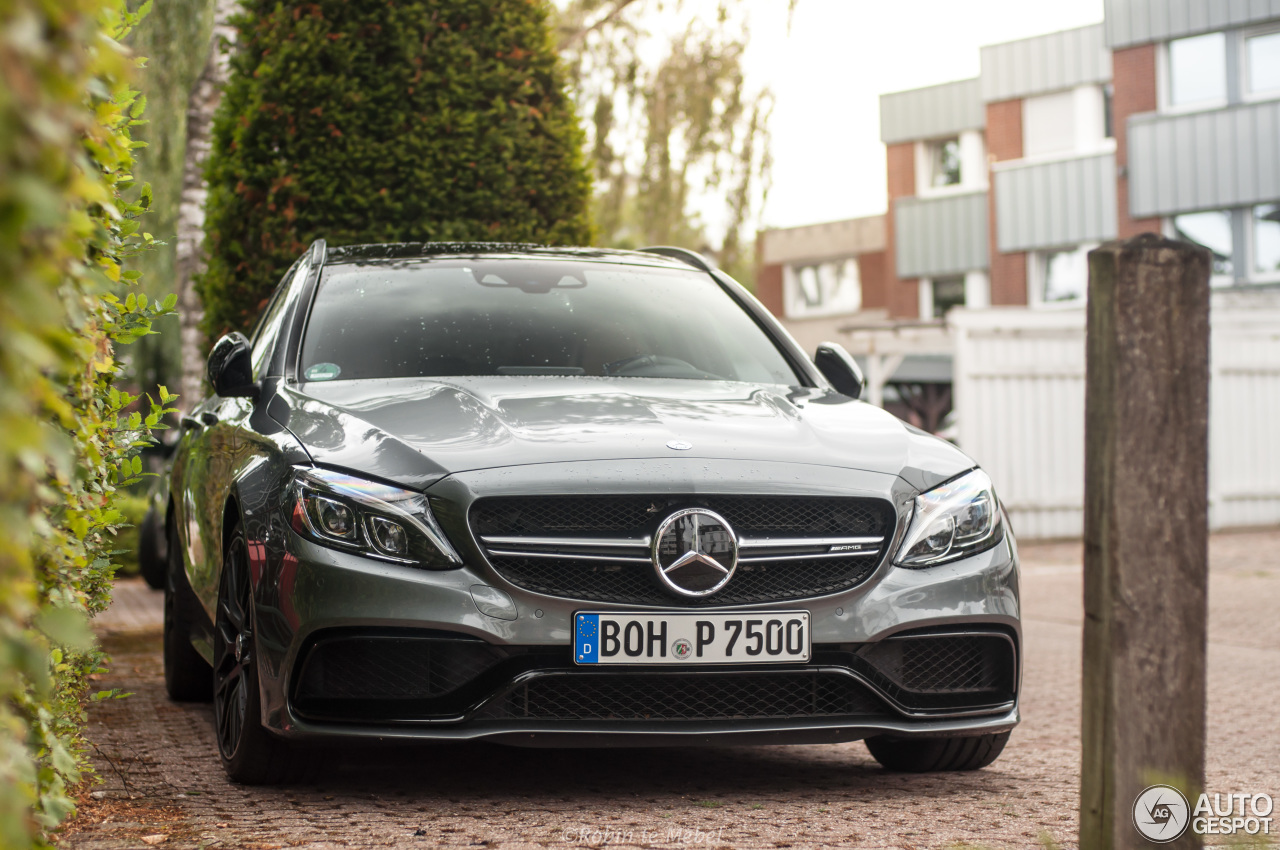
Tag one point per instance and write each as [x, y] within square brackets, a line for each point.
[231, 367]
[839, 367]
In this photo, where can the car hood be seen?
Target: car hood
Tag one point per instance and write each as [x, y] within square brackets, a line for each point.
[415, 430]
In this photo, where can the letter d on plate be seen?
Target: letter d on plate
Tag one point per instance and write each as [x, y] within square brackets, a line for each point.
[586, 638]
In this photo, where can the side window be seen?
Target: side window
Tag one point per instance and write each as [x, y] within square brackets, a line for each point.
[277, 312]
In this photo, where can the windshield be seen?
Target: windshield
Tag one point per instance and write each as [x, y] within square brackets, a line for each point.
[520, 316]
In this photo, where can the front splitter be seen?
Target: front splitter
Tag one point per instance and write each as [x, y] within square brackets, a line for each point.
[598, 733]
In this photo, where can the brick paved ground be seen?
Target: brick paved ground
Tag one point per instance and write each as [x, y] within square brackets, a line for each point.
[163, 785]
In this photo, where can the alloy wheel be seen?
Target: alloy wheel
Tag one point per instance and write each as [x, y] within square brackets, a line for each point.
[233, 650]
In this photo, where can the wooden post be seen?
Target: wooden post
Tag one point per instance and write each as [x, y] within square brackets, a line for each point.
[1146, 534]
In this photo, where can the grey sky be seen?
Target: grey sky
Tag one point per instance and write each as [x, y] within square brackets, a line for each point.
[840, 56]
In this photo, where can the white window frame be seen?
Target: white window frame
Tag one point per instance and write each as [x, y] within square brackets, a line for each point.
[925, 299]
[1253, 275]
[977, 292]
[1244, 35]
[1080, 147]
[1218, 281]
[1071, 143]
[924, 168]
[1164, 80]
[973, 165]
[1037, 261]
[791, 287]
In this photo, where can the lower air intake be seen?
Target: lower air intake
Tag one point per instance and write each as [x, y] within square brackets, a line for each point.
[672, 696]
[369, 669]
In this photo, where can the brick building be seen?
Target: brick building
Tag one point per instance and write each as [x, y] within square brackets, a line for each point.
[1165, 117]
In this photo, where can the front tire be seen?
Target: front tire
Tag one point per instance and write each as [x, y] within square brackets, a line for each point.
[250, 754]
[186, 673]
[927, 755]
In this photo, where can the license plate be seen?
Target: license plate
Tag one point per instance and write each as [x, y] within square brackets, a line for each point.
[640, 638]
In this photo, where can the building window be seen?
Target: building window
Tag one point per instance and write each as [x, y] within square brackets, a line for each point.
[1262, 63]
[1211, 230]
[944, 159]
[948, 292]
[1048, 124]
[1198, 69]
[821, 289]
[1061, 276]
[1266, 239]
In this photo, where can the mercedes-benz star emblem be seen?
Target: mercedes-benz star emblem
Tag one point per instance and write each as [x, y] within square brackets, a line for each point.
[695, 552]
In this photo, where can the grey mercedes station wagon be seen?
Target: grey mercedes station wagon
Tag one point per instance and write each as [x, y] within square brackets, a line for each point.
[572, 497]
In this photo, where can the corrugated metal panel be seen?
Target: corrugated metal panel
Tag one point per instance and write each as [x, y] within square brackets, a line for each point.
[1244, 407]
[1130, 22]
[824, 241]
[1204, 160]
[1019, 391]
[1019, 394]
[942, 235]
[928, 113]
[1046, 63]
[1063, 202]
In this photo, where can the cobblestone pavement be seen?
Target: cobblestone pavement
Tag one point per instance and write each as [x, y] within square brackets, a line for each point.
[162, 784]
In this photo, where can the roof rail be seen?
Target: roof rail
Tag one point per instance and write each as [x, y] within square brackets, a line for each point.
[693, 258]
[319, 250]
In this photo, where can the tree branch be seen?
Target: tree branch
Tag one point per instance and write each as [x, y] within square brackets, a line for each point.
[574, 37]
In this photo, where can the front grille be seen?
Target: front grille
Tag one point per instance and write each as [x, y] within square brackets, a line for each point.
[926, 671]
[684, 696]
[635, 584]
[373, 668]
[809, 516]
[601, 579]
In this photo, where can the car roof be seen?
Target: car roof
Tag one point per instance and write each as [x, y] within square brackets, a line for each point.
[400, 251]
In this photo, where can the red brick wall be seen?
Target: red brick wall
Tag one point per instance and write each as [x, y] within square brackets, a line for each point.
[1134, 78]
[871, 272]
[900, 297]
[1004, 141]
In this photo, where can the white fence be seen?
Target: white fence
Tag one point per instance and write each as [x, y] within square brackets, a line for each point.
[1019, 398]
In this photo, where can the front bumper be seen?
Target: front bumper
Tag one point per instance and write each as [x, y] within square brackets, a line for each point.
[311, 594]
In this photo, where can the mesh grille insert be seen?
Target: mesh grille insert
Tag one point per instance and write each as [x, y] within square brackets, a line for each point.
[938, 669]
[638, 515]
[668, 696]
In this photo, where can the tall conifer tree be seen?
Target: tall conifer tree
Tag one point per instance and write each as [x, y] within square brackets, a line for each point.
[388, 120]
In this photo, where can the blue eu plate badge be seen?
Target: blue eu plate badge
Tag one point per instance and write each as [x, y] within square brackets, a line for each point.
[586, 641]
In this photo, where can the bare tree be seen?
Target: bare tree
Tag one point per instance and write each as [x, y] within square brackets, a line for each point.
[671, 119]
[189, 262]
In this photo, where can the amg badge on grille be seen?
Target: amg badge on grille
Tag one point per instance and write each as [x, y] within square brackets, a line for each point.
[695, 552]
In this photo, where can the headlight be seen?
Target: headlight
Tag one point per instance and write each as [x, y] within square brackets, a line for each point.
[377, 520]
[952, 521]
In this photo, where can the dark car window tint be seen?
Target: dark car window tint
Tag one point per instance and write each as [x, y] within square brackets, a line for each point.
[278, 311]
[489, 316]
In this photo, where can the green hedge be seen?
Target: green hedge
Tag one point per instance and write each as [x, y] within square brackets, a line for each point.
[386, 121]
[68, 441]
